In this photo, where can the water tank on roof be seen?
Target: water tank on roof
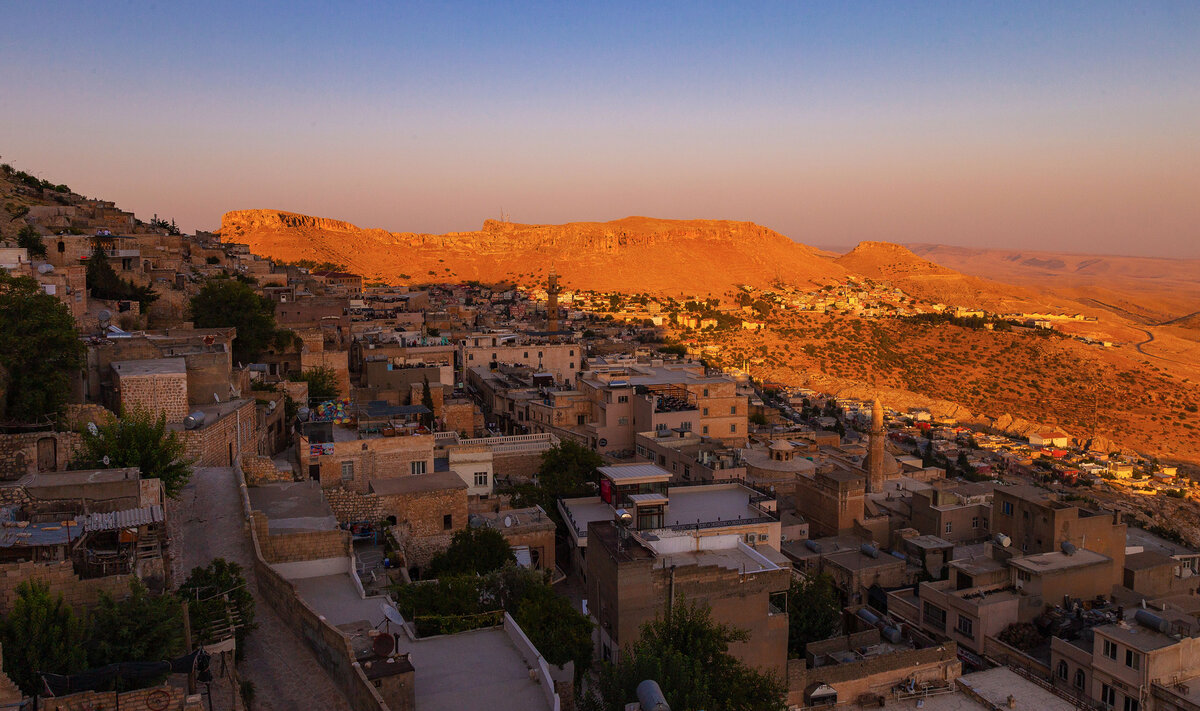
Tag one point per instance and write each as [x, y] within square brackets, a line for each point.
[867, 616]
[812, 546]
[194, 420]
[1002, 540]
[891, 634]
[303, 414]
[45, 268]
[650, 696]
[1147, 618]
[869, 550]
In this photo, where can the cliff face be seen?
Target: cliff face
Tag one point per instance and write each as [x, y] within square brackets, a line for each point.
[638, 254]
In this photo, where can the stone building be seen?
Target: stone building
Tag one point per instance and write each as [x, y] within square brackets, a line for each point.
[427, 508]
[155, 385]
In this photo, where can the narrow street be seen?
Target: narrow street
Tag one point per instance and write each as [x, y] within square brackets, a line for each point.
[285, 674]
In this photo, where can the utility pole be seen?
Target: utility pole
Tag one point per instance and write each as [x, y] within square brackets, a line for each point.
[187, 641]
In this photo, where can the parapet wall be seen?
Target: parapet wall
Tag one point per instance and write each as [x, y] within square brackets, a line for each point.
[876, 675]
[61, 577]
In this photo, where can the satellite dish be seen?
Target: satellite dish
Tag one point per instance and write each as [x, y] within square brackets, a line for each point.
[391, 613]
[383, 645]
[508, 521]
[105, 460]
[92, 429]
[104, 315]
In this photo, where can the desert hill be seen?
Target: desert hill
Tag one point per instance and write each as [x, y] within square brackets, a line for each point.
[919, 277]
[1147, 289]
[634, 254]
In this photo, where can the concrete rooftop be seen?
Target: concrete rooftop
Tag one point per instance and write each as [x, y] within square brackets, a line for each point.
[292, 506]
[477, 669]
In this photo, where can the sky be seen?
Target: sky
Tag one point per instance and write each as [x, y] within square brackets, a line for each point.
[1025, 125]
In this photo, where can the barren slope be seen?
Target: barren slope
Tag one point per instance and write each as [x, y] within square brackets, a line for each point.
[635, 254]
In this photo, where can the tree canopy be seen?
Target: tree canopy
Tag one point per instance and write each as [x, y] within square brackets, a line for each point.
[687, 653]
[566, 470]
[31, 240]
[138, 440]
[814, 612]
[139, 628]
[41, 634]
[40, 345]
[103, 283]
[217, 597]
[473, 550]
[322, 382]
[223, 302]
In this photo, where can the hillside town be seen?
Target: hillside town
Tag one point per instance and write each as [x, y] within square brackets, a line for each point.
[295, 488]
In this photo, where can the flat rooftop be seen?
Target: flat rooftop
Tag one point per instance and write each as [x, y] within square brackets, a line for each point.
[473, 669]
[151, 366]
[292, 506]
[707, 504]
[1057, 560]
[1137, 636]
[1150, 542]
[737, 558]
[635, 473]
[994, 686]
[585, 510]
[80, 477]
[419, 483]
[336, 597]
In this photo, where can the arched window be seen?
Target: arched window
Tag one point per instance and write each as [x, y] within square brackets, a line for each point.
[1062, 670]
[1079, 679]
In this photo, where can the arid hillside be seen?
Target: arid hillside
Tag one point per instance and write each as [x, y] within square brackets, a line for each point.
[635, 254]
[1145, 289]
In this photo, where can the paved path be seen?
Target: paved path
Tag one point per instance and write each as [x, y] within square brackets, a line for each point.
[286, 676]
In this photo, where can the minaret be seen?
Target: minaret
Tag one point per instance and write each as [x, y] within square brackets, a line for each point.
[552, 301]
[875, 452]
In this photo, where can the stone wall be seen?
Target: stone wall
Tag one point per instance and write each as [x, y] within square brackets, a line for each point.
[876, 675]
[160, 394]
[260, 470]
[331, 648]
[294, 547]
[157, 698]
[349, 506]
[19, 452]
[61, 577]
[518, 466]
[211, 445]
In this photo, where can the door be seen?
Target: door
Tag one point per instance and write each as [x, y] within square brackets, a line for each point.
[47, 454]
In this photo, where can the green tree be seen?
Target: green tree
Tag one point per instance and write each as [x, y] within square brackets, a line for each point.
[139, 440]
[687, 653]
[31, 240]
[473, 550]
[217, 599]
[103, 283]
[39, 349]
[560, 632]
[141, 628]
[223, 302]
[322, 383]
[427, 401]
[814, 612]
[567, 470]
[41, 634]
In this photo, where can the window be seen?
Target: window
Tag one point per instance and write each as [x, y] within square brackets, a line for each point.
[571, 365]
[417, 467]
[705, 430]
[965, 626]
[733, 409]
[705, 411]
[572, 354]
[579, 419]
[1079, 679]
[447, 522]
[1025, 576]
[470, 356]
[949, 526]
[622, 398]
[1108, 696]
[481, 478]
[1062, 670]
[1110, 649]
[1006, 508]
[687, 471]
[539, 354]
[526, 354]
[935, 617]
[1131, 704]
[347, 471]
[705, 392]
[733, 428]
[1133, 660]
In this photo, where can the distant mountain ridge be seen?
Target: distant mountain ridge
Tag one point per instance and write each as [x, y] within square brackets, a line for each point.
[633, 254]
